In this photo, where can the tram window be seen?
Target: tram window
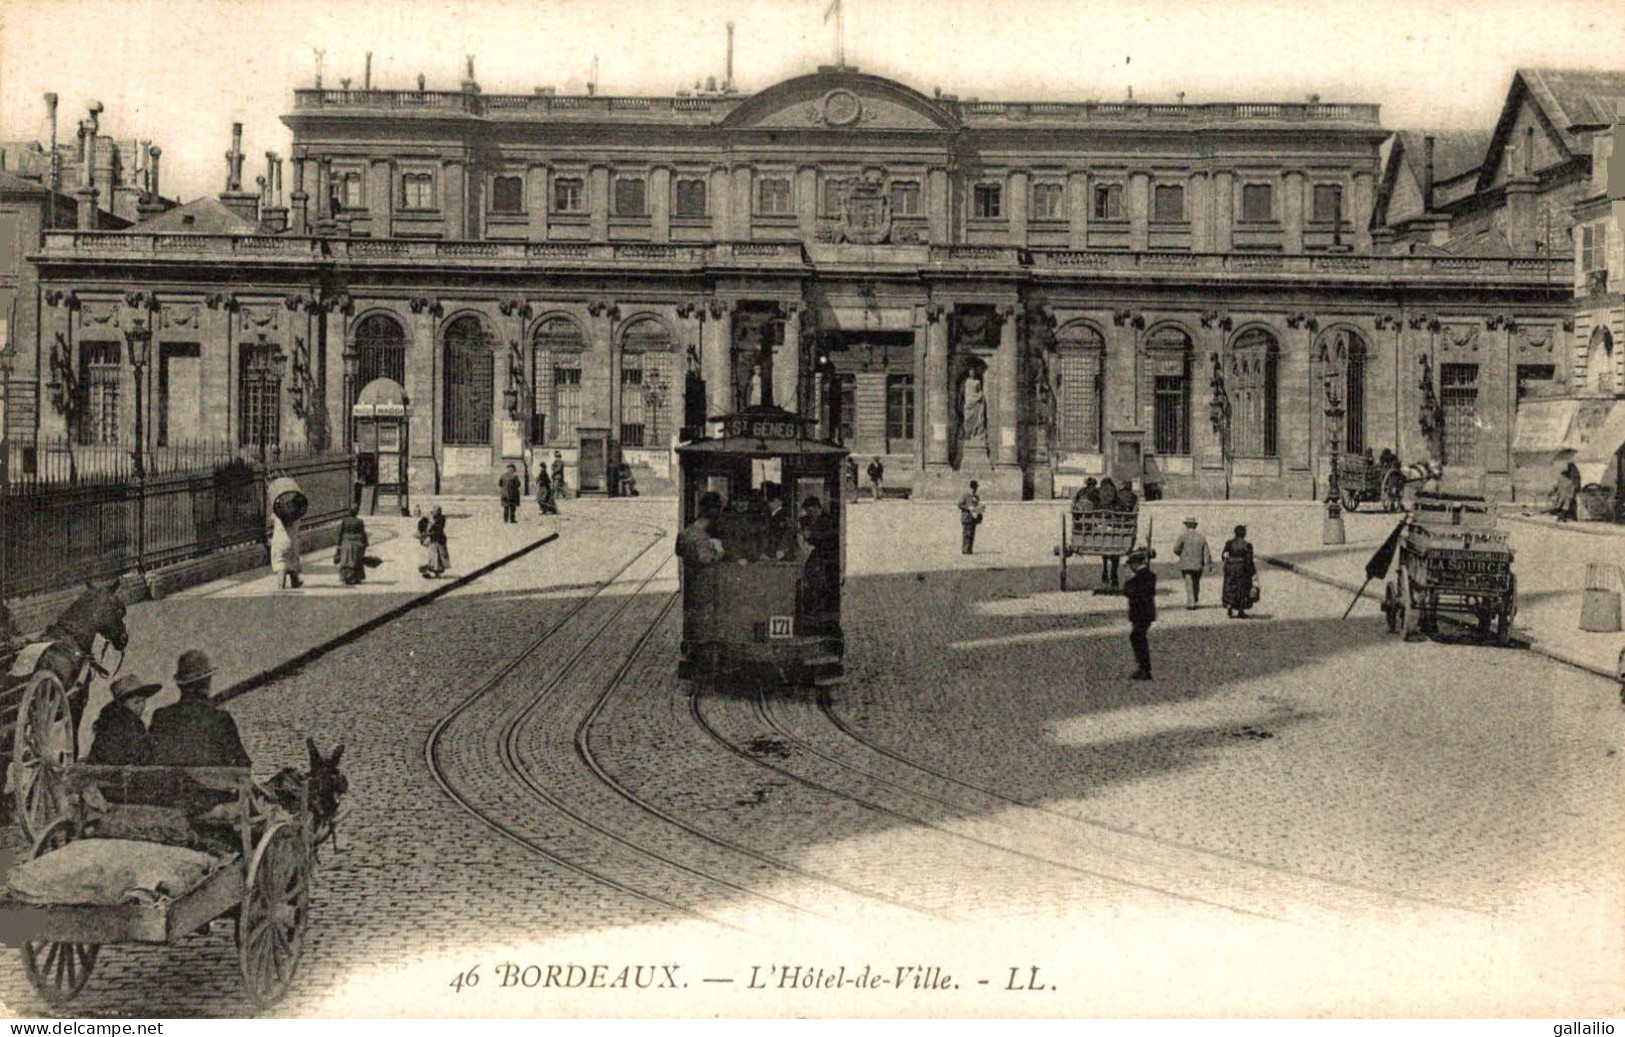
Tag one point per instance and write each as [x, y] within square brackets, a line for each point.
[766, 470]
[718, 484]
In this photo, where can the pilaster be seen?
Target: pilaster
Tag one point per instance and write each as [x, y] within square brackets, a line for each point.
[598, 204]
[938, 200]
[1009, 376]
[536, 183]
[455, 198]
[935, 384]
[1224, 211]
[1292, 212]
[1077, 209]
[787, 364]
[660, 203]
[1019, 198]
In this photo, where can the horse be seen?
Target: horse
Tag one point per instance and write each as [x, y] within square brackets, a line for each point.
[323, 785]
[71, 638]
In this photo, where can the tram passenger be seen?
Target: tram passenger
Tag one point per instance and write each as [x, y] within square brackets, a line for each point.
[819, 576]
[777, 539]
[739, 528]
[697, 543]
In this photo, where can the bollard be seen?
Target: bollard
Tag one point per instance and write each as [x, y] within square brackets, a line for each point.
[1599, 607]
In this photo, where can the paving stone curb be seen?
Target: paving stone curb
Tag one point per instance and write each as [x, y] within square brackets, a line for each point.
[310, 655]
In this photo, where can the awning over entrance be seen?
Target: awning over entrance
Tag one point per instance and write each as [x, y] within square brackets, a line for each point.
[1550, 433]
[1599, 448]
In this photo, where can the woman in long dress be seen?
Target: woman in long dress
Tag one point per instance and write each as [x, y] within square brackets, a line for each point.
[1239, 573]
[352, 550]
[285, 551]
[544, 491]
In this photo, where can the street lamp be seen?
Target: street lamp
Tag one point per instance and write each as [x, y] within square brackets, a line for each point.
[140, 342]
[352, 362]
[1218, 413]
[1333, 357]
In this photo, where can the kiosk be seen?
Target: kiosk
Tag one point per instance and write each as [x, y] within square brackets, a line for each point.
[381, 416]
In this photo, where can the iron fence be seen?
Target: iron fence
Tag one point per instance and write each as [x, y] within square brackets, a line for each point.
[106, 521]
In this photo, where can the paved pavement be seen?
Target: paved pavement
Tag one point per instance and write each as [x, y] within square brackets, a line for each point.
[1299, 816]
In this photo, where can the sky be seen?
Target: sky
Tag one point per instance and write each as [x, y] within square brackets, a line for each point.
[180, 72]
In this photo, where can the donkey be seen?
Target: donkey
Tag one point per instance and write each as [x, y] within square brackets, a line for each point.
[324, 785]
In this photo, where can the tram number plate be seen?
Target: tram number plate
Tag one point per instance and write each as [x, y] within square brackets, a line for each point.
[780, 628]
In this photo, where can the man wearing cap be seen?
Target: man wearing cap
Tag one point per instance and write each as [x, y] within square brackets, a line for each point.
[195, 732]
[1141, 590]
[120, 738]
[1194, 559]
[509, 487]
[970, 516]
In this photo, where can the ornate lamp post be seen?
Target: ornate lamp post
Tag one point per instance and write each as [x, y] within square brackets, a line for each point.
[654, 394]
[140, 343]
[1218, 413]
[1332, 361]
[352, 363]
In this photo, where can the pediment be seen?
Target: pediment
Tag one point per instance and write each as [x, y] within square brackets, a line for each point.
[842, 100]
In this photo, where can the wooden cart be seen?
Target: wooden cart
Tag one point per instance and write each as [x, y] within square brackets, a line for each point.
[263, 859]
[1096, 531]
[1367, 482]
[1452, 558]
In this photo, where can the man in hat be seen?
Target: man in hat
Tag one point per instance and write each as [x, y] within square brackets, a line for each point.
[970, 516]
[698, 542]
[196, 732]
[509, 486]
[559, 489]
[1194, 559]
[120, 736]
[1141, 590]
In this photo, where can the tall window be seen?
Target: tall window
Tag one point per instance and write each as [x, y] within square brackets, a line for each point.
[259, 396]
[1458, 393]
[899, 407]
[1253, 382]
[567, 194]
[1257, 202]
[690, 199]
[1600, 362]
[508, 194]
[1354, 398]
[350, 194]
[1168, 204]
[556, 347]
[987, 202]
[773, 196]
[648, 370]
[469, 387]
[1328, 203]
[905, 198]
[417, 191]
[1168, 352]
[1079, 349]
[630, 196]
[849, 407]
[1108, 201]
[380, 345]
[1593, 247]
[1049, 202]
[99, 391]
[632, 417]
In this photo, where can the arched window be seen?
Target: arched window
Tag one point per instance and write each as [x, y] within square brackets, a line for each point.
[556, 346]
[647, 378]
[1168, 358]
[1347, 351]
[380, 345]
[470, 389]
[1254, 384]
[1080, 389]
[1600, 362]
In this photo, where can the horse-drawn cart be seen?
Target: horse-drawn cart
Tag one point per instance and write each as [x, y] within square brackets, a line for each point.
[1105, 532]
[113, 870]
[1451, 558]
[1364, 481]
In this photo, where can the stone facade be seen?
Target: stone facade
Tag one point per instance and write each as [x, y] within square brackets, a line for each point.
[532, 266]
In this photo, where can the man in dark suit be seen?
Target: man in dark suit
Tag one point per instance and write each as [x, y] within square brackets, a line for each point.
[195, 732]
[121, 739]
[1141, 590]
[509, 485]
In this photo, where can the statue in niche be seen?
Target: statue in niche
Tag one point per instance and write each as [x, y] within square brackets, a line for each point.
[973, 408]
[753, 393]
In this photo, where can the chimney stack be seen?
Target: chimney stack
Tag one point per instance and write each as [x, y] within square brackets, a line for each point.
[273, 214]
[154, 153]
[1427, 173]
[728, 80]
[89, 218]
[366, 83]
[151, 203]
[244, 204]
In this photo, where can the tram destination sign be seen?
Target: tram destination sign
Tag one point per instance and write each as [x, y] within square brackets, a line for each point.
[747, 426]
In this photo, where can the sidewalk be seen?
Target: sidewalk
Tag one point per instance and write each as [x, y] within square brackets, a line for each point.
[253, 630]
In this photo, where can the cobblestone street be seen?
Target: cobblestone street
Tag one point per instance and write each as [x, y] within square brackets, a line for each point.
[1300, 815]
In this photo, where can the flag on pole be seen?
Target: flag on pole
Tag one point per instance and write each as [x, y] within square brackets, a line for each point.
[831, 10]
[1377, 567]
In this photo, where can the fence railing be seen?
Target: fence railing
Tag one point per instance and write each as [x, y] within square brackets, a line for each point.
[56, 534]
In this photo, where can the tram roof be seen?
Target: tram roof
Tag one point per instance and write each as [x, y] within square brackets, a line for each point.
[752, 446]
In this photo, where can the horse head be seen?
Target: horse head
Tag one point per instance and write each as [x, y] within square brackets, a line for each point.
[97, 611]
[326, 783]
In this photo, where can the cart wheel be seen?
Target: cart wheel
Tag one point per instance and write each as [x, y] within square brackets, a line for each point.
[1390, 607]
[275, 912]
[58, 971]
[44, 741]
[1351, 502]
[1407, 610]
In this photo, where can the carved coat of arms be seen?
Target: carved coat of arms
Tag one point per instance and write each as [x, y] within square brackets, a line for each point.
[867, 212]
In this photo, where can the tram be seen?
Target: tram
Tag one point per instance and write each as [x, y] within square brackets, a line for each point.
[763, 551]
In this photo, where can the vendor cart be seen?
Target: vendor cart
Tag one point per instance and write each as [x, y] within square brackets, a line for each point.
[1452, 558]
[1096, 531]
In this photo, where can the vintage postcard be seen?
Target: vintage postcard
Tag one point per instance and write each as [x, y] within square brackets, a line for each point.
[836, 508]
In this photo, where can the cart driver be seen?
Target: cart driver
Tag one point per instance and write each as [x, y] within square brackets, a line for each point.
[196, 732]
[697, 543]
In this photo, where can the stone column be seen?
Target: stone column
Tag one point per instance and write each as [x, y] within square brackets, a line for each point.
[935, 384]
[1139, 211]
[536, 183]
[604, 331]
[1201, 213]
[938, 200]
[219, 362]
[716, 362]
[787, 362]
[381, 198]
[324, 189]
[1361, 205]
[1009, 374]
[1498, 384]
[301, 199]
[1019, 194]
[1122, 378]
[1292, 213]
[1224, 209]
[454, 198]
[598, 201]
[922, 431]
[807, 205]
[422, 363]
[88, 218]
[1077, 209]
[1299, 400]
[660, 203]
[330, 363]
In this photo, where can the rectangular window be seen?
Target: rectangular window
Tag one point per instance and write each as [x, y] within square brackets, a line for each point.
[567, 194]
[1328, 203]
[773, 196]
[1168, 204]
[1529, 375]
[1049, 202]
[630, 196]
[1257, 202]
[849, 408]
[1078, 400]
[633, 426]
[350, 195]
[1173, 412]
[1108, 201]
[988, 202]
[417, 191]
[1593, 247]
[508, 194]
[99, 385]
[905, 198]
[1458, 393]
[566, 407]
[690, 199]
[259, 397]
[899, 407]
